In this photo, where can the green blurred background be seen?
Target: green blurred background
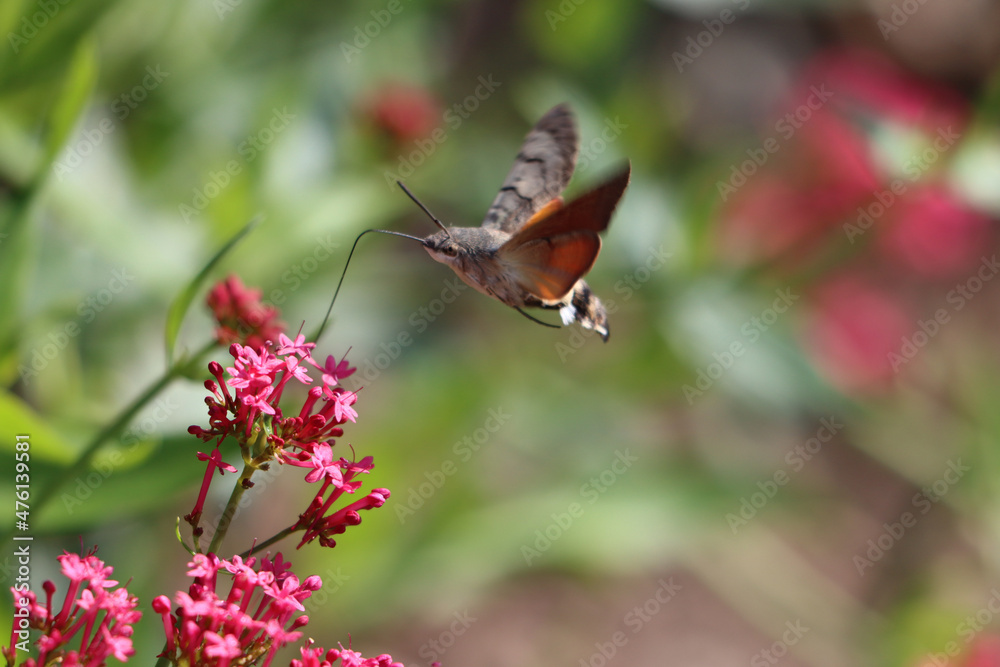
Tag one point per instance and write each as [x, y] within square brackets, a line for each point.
[787, 452]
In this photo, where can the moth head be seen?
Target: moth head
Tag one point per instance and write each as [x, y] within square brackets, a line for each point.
[443, 247]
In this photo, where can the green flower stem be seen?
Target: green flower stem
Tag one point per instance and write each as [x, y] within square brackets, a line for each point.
[277, 537]
[115, 427]
[230, 511]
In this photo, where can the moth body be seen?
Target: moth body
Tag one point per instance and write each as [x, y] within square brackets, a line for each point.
[533, 249]
[471, 252]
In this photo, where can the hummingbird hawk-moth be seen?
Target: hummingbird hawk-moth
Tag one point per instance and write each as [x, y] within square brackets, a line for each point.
[532, 249]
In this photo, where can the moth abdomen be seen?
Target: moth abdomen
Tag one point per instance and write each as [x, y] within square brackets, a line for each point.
[584, 307]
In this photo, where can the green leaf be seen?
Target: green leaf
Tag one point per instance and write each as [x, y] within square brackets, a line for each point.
[106, 493]
[16, 251]
[17, 418]
[179, 308]
[79, 85]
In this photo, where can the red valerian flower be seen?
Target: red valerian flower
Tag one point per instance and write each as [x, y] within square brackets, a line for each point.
[102, 618]
[337, 479]
[253, 619]
[246, 404]
[241, 316]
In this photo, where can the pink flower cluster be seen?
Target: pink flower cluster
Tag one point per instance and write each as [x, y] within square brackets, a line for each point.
[260, 611]
[102, 619]
[247, 406]
[253, 620]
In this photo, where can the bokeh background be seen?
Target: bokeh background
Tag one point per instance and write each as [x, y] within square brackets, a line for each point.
[787, 452]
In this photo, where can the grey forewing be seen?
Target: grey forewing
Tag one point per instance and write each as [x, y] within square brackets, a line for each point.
[540, 173]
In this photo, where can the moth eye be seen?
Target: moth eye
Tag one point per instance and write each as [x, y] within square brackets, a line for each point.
[449, 250]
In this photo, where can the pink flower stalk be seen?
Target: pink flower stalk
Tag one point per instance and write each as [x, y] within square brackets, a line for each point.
[254, 619]
[338, 478]
[258, 379]
[214, 462]
[102, 618]
[241, 315]
[247, 406]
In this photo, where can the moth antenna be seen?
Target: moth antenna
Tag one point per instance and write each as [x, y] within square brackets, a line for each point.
[329, 310]
[424, 209]
[535, 319]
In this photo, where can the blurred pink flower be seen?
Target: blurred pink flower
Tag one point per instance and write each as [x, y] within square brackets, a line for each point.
[985, 652]
[832, 165]
[402, 111]
[868, 84]
[765, 222]
[241, 316]
[853, 329]
[819, 168]
[818, 171]
[934, 235]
